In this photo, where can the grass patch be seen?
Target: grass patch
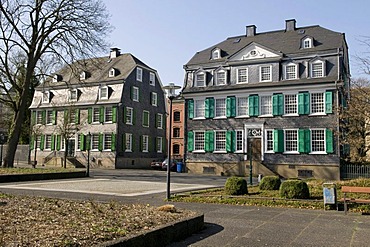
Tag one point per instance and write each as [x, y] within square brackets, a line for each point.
[20, 170]
[271, 198]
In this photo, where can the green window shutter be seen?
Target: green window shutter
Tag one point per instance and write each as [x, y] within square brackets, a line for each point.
[133, 116]
[33, 118]
[209, 108]
[191, 108]
[32, 142]
[123, 142]
[52, 143]
[156, 121]
[114, 114]
[278, 141]
[113, 148]
[131, 92]
[89, 115]
[42, 142]
[231, 106]
[277, 104]
[253, 105]
[230, 141]
[145, 119]
[77, 119]
[303, 103]
[66, 118]
[328, 102]
[88, 142]
[101, 114]
[190, 141]
[58, 142]
[304, 141]
[82, 142]
[209, 141]
[100, 146]
[43, 117]
[124, 114]
[54, 117]
[163, 144]
[329, 141]
[141, 143]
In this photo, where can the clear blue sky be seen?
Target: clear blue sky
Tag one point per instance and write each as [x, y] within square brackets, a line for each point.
[165, 34]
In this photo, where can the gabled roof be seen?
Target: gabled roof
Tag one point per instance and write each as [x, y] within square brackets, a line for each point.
[98, 69]
[286, 42]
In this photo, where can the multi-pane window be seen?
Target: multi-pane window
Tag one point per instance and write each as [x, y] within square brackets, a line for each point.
[307, 43]
[176, 116]
[290, 104]
[46, 97]
[96, 115]
[145, 118]
[38, 142]
[103, 92]
[108, 116]
[318, 140]
[72, 116]
[266, 105]
[39, 117]
[176, 132]
[159, 121]
[291, 72]
[107, 141]
[152, 78]
[317, 103]
[129, 115]
[62, 143]
[242, 75]
[48, 142]
[221, 78]
[200, 79]
[220, 107]
[128, 142]
[49, 117]
[317, 69]
[73, 94]
[220, 141]
[176, 149]
[153, 98]
[291, 140]
[239, 141]
[135, 94]
[199, 141]
[139, 74]
[94, 141]
[145, 143]
[199, 107]
[159, 144]
[269, 141]
[216, 54]
[265, 73]
[242, 106]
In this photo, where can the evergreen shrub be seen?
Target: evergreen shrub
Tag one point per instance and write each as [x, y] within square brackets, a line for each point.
[294, 189]
[270, 183]
[236, 186]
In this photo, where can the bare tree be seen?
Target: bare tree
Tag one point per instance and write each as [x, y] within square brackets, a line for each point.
[40, 31]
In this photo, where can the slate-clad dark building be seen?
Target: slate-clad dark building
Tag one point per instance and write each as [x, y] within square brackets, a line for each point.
[271, 97]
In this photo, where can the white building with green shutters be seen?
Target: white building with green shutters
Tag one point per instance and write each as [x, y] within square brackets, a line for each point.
[268, 101]
[111, 106]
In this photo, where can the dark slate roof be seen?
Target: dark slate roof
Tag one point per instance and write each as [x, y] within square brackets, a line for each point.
[98, 70]
[287, 42]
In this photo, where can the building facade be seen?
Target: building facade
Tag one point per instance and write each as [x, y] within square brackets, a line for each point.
[178, 129]
[111, 109]
[267, 103]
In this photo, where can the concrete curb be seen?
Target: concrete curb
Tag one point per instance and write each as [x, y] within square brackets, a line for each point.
[161, 236]
[40, 176]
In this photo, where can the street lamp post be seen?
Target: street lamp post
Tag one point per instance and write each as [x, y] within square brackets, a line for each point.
[171, 95]
[88, 146]
[1, 152]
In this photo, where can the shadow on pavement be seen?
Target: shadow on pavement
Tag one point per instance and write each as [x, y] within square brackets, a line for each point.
[208, 230]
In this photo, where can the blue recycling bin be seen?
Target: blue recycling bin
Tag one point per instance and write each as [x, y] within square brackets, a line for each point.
[179, 167]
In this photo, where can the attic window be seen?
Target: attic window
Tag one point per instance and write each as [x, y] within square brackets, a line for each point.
[46, 97]
[200, 79]
[216, 54]
[73, 94]
[152, 79]
[83, 75]
[103, 92]
[307, 43]
[112, 72]
[57, 78]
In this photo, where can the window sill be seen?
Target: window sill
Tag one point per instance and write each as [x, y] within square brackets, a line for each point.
[223, 117]
[128, 123]
[219, 152]
[268, 115]
[321, 152]
[128, 151]
[199, 151]
[317, 114]
[291, 115]
[269, 152]
[244, 116]
[199, 118]
[291, 152]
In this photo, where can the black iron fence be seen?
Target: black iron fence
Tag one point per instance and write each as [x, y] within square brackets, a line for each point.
[354, 170]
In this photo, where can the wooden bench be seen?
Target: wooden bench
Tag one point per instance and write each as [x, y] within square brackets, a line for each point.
[353, 189]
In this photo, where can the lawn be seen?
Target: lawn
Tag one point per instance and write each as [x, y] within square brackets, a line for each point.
[21, 170]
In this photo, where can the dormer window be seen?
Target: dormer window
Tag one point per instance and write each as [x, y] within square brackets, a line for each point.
[200, 79]
[46, 97]
[57, 78]
[103, 92]
[220, 77]
[290, 71]
[317, 69]
[307, 43]
[73, 94]
[112, 72]
[84, 75]
[152, 79]
[216, 53]
[265, 73]
[139, 74]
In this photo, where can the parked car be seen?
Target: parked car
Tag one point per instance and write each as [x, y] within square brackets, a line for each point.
[162, 165]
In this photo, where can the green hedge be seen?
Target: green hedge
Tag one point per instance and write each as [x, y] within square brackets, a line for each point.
[294, 189]
[236, 186]
[270, 183]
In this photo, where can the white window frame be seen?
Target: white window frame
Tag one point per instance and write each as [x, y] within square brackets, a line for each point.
[239, 140]
[323, 141]
[39, 117]
[49, 118]
[200, 83]
[128, 142]
[108, 113]
[159, 121]
[285, 141]
[220, 110]
[145, 143]
[199, 109]
[313, 70]
[73, 92]
[317, 104]
[38, 142]
[269, 141]
[198, 143]
[221, 77]
[72, 116]
[307, 43]
[129, 115]
[263, 74]
[286, 98]
[159, 144]
[239, 107]
[220, 141]
[216, 54]
[154, 99]
[93, 115]
[151, 79]
[46, 97]
[135, 94]
[83, 75]
[241, 78]
[262, 106]
[101, 89]
[291, 75]
[107, 143]
[48, 142]
[112, 72]
[139, 74]
[94, 142]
